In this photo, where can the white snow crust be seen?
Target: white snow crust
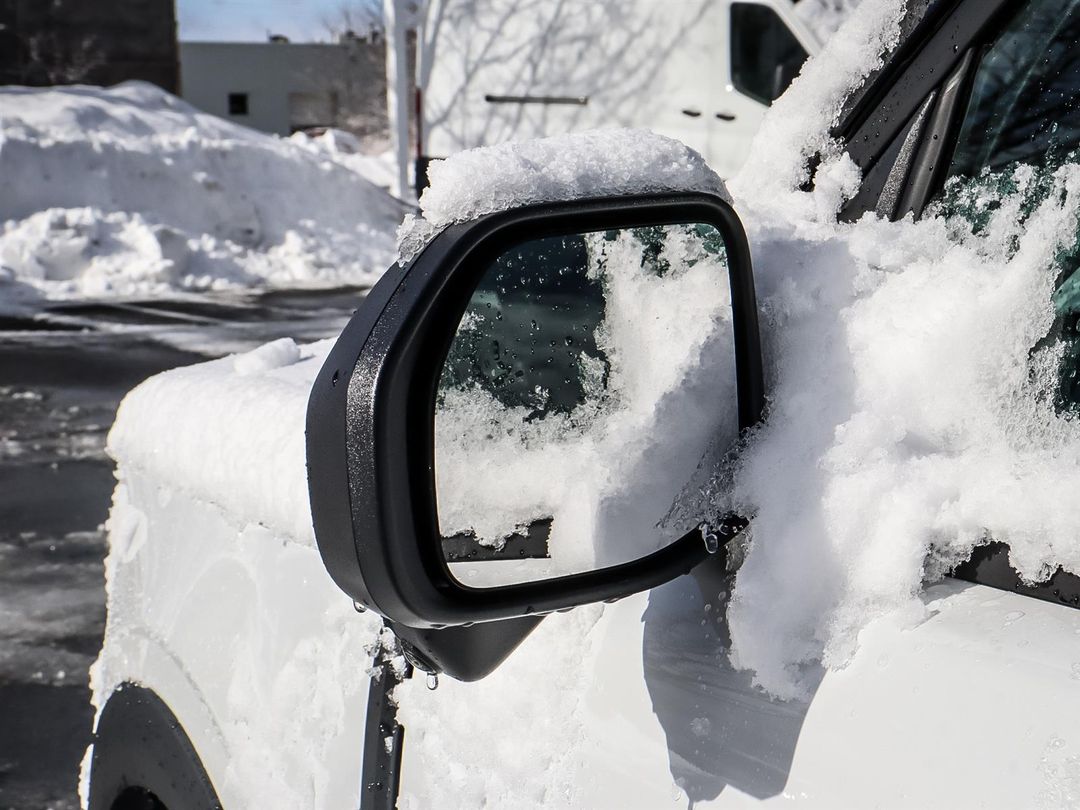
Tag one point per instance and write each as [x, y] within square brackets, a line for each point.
[596, 163]
[129, 191]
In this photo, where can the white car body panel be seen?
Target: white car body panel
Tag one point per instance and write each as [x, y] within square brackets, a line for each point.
[264, 661]
[975, 706]
[239, 631]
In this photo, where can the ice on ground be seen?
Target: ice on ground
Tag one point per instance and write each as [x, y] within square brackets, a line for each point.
[130, 191]
[597, 163]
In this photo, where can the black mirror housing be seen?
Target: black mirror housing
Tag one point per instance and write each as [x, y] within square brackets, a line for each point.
[370, 420]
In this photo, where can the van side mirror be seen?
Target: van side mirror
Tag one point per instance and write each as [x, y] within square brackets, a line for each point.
[484, 403]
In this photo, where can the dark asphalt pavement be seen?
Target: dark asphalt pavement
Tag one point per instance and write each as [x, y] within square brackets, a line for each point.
[62, 374]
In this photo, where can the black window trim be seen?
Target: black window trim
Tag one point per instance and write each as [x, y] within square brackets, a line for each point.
[928, 60]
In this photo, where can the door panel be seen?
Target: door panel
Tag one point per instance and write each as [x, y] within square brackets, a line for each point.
[973, 707]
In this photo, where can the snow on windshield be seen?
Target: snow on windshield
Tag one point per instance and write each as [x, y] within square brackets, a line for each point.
[129, 191]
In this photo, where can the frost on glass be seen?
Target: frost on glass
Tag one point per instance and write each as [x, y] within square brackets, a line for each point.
[572, 354]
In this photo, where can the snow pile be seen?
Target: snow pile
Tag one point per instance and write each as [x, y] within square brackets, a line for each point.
[348, 150]
[598, 163]
[910, 421]
[130, 191]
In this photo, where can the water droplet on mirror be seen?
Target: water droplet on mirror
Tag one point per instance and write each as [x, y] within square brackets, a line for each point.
[712, 542]
[359, 608]
[432, 681]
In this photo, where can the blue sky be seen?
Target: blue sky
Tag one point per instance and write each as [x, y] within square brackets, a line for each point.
[251, 20]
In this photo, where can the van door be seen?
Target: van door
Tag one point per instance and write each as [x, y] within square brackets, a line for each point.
[494, 70]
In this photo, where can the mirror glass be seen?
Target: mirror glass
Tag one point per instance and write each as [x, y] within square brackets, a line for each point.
[587, 400]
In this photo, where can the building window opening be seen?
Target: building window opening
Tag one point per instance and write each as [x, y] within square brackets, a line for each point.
[238, 103]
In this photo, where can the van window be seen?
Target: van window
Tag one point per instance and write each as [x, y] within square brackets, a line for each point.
[765, 56]
[1025, 101]
[1025, 109]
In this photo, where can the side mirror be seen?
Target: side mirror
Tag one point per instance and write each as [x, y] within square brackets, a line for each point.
[478, 411]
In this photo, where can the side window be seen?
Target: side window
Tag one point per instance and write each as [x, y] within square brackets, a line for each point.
[1025, 110]
[1025, 101]
[765, 56]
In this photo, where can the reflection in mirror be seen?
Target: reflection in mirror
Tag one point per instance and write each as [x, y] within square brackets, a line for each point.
[589, 385]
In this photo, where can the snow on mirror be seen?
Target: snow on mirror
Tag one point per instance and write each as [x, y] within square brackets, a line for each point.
[590, 376]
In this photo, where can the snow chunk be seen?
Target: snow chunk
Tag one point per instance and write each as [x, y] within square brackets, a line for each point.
[276, 354]
[597, 163]
[130, 191]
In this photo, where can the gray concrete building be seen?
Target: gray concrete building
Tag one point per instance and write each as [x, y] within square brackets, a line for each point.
[281, 87]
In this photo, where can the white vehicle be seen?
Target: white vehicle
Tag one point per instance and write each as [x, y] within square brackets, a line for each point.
[525, 439]
[701, 71]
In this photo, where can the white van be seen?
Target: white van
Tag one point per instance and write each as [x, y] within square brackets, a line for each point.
[701, 71]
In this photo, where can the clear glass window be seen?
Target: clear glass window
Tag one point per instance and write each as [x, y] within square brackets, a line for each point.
[765, 56]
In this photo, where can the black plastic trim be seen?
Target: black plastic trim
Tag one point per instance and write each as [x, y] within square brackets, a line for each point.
[989, 565]
[384, 737]
[931, 165]
[919, 67]
[374, 400]
[141, 748]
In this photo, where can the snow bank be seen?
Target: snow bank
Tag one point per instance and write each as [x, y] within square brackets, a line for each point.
[130, 191]
[379, 167]
[598, 163]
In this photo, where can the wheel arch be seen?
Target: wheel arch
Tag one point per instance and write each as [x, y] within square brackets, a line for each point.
[142, 757]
